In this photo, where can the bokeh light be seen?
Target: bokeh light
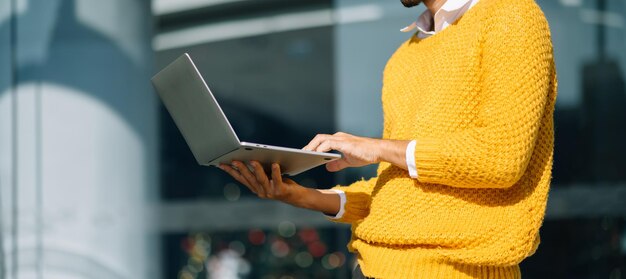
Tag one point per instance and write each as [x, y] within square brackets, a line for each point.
[304, 259]
[317, 248]
[238, 247]
[185, 275]
[197, 247]
[256, 237]
[280, 248]
[308, 235]
[194, 265]
[232, 192]
[334, 260]
[286, 229]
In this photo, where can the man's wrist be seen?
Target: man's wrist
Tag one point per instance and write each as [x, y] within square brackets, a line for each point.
[379, 147]
[392, 151]
[325, 201]
[299, 197]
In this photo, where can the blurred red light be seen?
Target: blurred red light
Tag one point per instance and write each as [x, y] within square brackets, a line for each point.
[308, 235]
[256, 237]
[317, 249]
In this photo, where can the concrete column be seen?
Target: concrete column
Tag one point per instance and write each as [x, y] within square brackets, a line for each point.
[75, 198]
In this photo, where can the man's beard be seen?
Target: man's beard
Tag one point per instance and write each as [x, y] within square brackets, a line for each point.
[410, 3]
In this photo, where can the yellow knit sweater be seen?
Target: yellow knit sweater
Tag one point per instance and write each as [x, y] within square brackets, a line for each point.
[478, 98]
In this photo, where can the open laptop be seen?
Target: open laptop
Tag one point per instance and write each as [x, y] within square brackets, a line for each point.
[208, 133]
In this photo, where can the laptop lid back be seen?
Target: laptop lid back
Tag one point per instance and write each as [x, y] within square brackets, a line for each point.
[195, 111]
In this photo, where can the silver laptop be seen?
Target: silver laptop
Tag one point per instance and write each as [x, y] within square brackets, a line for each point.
[208, 133]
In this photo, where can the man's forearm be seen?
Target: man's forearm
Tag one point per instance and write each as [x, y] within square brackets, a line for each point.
[393, 151]
[328, 201]
[325, 201]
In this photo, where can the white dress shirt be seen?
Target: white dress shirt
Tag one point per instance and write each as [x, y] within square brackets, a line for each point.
[427, 25]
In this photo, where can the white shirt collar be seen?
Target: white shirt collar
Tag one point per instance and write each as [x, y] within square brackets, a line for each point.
[446, 15]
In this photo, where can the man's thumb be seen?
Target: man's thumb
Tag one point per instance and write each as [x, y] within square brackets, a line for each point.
[337, 165]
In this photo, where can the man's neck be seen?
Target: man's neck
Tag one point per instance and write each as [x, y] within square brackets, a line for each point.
[434, 5]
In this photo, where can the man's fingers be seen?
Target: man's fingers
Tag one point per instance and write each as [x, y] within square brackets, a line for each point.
[315, 142]
[325, 143]
[328, 145]
[237, 176]
[324, 146]
[245, 172]
[234, 173]
[276, 176]
[261, 177]
[312, 144]
[337, 165]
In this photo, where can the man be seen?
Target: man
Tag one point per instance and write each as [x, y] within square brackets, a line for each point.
[466, 153]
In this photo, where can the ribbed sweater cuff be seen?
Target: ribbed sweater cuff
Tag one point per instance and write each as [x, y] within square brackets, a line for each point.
[429, 161]
[356, 207]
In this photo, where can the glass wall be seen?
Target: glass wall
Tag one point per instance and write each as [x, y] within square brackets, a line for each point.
[271, 68]
[583, 235]
[77, 140]
[6, 81]
[97, 182]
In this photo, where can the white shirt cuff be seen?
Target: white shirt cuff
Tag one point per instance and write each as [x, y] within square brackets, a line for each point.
[342, 204]
[410, 159]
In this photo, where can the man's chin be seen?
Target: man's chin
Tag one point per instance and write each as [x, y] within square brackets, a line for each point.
[410, 3]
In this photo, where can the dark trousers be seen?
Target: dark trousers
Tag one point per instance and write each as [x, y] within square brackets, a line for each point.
[358, 274]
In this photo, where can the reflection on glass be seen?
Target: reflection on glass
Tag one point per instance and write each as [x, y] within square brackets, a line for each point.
[280, 89]
[580, 248]
[275, 89]
[286, 252]
[590, 137]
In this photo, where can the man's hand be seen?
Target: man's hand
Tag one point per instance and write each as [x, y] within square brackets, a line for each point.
[282, 189]
[257, 181]
[359, 151]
